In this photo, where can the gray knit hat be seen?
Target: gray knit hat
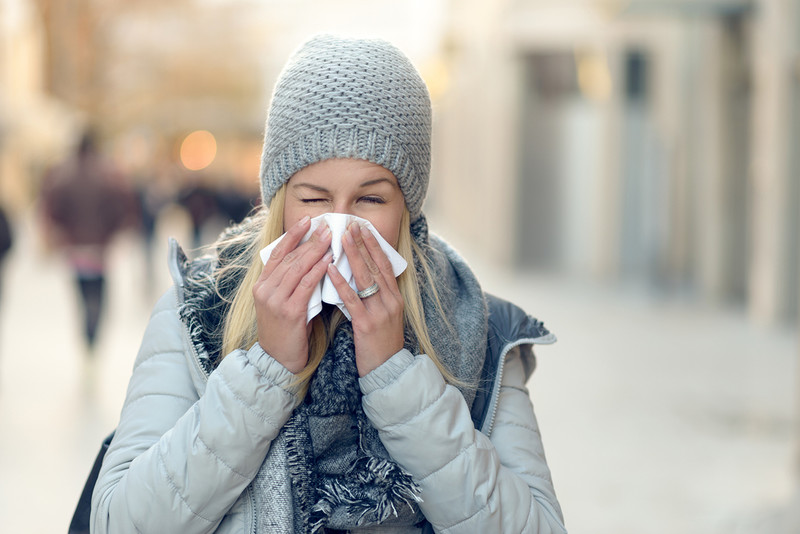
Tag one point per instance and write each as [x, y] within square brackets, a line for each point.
[349, 98]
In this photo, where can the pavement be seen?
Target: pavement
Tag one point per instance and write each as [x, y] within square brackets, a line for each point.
[659, 414]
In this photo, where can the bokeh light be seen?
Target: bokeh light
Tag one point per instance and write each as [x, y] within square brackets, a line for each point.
[198, 150]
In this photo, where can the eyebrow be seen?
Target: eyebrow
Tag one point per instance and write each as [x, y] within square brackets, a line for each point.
[326, 190]
[311, 186]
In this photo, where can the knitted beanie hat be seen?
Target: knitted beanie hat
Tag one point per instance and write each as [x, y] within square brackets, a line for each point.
[349, 98]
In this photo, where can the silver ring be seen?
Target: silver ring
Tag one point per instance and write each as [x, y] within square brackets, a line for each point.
[371, 290]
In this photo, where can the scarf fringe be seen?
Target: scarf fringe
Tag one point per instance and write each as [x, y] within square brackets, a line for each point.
[300, 472]
[398, 488]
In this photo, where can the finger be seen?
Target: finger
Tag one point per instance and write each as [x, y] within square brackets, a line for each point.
[359, 234]
[380, 268]
[384, 265]
[296, 264]
[279, 281]
[308, 283]
[351, 301]
[359, 261]
[289, 242]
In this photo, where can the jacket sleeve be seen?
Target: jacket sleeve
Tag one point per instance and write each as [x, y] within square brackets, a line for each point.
[178, 462]
[469, 483]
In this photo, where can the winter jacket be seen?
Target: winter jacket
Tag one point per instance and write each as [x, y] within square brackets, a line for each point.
[190, 442]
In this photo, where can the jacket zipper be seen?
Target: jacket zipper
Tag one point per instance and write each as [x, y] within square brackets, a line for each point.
[196, 357]
[488, 425]
[206, 376]
[188, 335]
[252, 497]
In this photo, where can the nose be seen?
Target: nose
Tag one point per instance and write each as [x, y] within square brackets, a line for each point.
[342, 207]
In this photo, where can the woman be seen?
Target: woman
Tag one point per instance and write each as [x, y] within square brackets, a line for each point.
[244, 416]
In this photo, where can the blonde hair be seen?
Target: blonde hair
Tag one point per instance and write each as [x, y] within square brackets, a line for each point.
[240, 331]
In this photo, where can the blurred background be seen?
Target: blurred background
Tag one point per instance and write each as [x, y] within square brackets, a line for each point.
[628, 171]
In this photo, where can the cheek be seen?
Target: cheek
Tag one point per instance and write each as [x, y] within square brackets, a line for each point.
[389, 228]
[290, 217]
[293, 212]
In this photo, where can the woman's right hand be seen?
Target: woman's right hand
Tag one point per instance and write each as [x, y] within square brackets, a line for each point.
[282, 292]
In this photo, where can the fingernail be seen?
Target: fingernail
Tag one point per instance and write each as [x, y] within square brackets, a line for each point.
[327, 232]
[327, 257]
[304, 220]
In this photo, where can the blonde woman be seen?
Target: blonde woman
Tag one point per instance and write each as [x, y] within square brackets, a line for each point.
[399, 408]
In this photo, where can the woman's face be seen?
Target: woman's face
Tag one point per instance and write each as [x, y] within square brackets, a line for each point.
[352, 186]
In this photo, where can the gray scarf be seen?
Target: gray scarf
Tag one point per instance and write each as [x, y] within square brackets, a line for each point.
[328, 468]
[341, 475]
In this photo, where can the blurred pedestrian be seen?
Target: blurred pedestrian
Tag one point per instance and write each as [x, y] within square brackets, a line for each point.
[6, 240]
[86, 201]
[235, 204]
[200, 202]
[151, 200]
[392, 401]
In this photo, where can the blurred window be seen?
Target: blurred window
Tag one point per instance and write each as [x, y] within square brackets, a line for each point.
[552, 74]
[635, 75]
[559, 163]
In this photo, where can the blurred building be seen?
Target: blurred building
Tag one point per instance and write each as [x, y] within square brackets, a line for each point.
[645, 140]
[32, 123]
[146, 74]
[642, 140]
[143, 75]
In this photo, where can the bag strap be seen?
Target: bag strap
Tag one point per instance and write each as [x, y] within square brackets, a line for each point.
[80, 519]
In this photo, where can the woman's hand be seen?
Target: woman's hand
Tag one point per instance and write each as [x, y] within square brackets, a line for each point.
[377, 319]
[283, 290]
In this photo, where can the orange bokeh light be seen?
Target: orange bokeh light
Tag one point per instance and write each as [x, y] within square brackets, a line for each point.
[198, 150]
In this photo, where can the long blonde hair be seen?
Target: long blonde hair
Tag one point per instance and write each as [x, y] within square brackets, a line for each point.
[240, 331]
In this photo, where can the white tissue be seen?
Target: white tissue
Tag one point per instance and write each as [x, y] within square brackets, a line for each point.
[325, 291]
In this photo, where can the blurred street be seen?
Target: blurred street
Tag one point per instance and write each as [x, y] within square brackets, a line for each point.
[657, 416]
[56, 405]
[644, 150]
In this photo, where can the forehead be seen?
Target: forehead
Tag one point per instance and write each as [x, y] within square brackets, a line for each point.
[342, 172]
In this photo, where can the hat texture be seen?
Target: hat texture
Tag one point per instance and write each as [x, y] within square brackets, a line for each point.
[349, 98]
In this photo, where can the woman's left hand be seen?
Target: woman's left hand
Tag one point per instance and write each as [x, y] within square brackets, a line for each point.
[377, 319]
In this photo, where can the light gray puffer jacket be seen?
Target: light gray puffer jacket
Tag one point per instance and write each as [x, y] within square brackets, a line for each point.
[188, 443]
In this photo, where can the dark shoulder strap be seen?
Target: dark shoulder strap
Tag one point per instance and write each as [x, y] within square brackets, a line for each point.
[80, 519]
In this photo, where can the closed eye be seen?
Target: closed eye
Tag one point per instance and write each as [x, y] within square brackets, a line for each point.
[373, 200]
[312, 200]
